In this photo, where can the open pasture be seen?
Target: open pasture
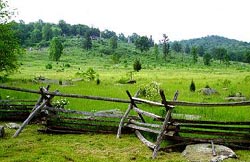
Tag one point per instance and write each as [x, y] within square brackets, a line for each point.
[34, 146]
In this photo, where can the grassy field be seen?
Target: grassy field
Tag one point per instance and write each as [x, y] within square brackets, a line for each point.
[34, 146]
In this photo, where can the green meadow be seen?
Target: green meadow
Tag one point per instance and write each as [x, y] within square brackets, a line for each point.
[175, 74]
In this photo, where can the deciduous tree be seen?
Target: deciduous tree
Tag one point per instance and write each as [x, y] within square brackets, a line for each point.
[9, 44]
[142, 43]
[55, 49]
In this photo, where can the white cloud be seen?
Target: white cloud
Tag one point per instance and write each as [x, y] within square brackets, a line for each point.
[180, 19]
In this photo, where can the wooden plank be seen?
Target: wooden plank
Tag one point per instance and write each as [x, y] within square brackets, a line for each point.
[145, 124]
[142, 112]
[134, 105]
[82, 112]
[147, 102]
[212, 122]
[165, 123]
[142, 128]
[40, 99]
[67, 95]
[174, 103]
[207, 140]
[16, 100]
[37, 109]
[65, 130]
[216, 133]
[213, 148]
[195, 104]
[144, 140]
[130, 107]
[214, 127]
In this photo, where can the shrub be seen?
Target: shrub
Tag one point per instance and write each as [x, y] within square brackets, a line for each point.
[192, 86]
[137, 65]
[151, 90]
[60, 82]
[90, 74]
[67, 65]
[98, 81]
[48, 66]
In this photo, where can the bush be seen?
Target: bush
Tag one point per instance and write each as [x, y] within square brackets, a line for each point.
[67, 65]
[150, 91]
[192, 86]
[48, 66]
[90, 74]
[98, 81]
[60, 82]
[137, 65]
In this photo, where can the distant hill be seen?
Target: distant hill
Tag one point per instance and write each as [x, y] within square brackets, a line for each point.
[235, 48]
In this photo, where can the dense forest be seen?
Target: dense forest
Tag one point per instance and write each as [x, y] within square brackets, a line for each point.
[39, 34]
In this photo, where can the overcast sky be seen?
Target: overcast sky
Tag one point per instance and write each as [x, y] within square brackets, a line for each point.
[179, 19]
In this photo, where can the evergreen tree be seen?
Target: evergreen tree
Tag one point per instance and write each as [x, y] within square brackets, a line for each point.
[55, 49]
[192, 86]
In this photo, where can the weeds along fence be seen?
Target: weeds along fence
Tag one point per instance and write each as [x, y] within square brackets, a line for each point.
[166, 127]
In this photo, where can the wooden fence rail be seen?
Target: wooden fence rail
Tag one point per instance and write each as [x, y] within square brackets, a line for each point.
[136, 100]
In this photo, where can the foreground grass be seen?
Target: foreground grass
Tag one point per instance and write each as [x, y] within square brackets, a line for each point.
[33, 146]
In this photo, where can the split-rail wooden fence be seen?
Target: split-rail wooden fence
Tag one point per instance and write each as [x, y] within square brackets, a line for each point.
[58, 120]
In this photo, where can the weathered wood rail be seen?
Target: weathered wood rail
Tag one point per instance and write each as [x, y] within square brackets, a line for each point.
[72, 121]
[136, 100]
[15, 110]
